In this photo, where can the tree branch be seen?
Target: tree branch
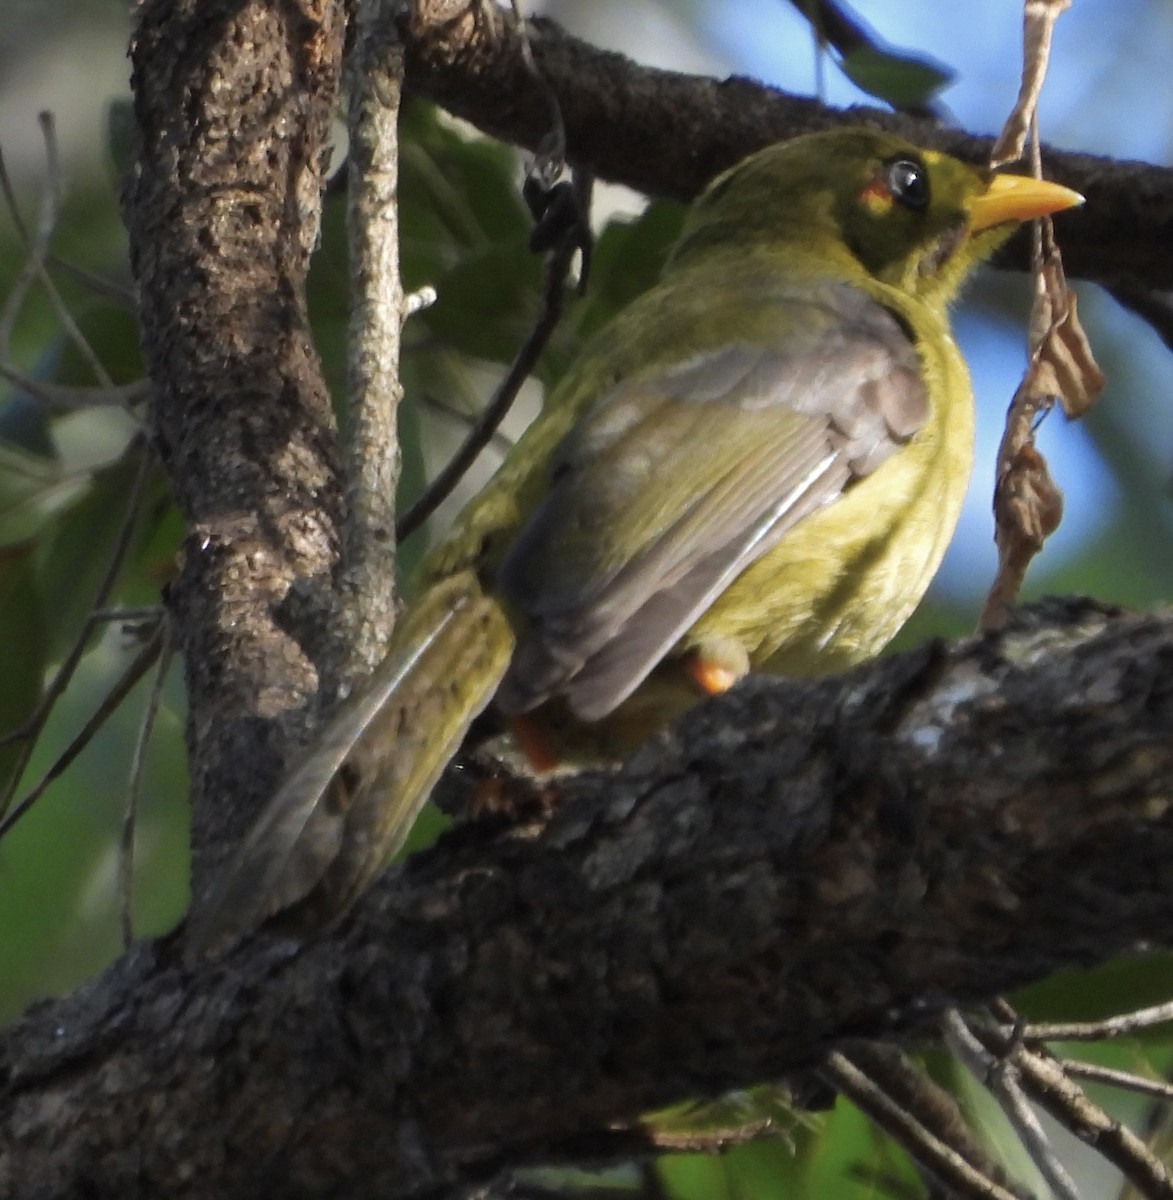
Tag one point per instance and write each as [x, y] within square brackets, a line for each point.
[798, 865]
[667, 134]
[377, 314]
[233, 100]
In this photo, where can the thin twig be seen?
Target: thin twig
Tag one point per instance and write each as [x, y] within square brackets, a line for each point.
[33, 503]
[1066, 1102]
[149, 612]
[70, 326]
[486, 425]
[38, 253]
[134, 789]
[59, 397]
[35, 247]
[106, 288]
[1094, 1073]
[1044, 1080]
[9, 193]
[1156, 1131]
[934, 1155]
[1120, 1025]
[550, 162]
[1000, 1077]
[907, 1084]
[138, 667]
[31, 729]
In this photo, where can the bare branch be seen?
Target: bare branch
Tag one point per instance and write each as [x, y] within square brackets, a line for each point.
[910, 1087]
[57, 397]
[1125, 1080]
[1045, 1081]
[371, 446]
[233, 103]
[1000, 1078]
[38, 254]
[938, 1158]
[1120, 1025]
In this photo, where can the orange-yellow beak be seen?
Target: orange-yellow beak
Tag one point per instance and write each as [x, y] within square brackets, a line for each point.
[1018, 198]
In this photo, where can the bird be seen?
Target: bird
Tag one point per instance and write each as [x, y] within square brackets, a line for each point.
[757, 465]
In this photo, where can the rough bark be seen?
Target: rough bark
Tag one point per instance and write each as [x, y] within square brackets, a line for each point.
[232, 103]
[371, 446]
[798, 865]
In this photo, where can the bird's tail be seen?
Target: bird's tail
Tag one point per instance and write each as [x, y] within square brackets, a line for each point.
[346, 808]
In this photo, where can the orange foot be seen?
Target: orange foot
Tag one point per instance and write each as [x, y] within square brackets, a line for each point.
[710, 676]
[716, 664]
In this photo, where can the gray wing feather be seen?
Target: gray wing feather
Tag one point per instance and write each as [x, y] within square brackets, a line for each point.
[672, 485]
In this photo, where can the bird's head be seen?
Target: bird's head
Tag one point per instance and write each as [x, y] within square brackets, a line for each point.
[913, 218]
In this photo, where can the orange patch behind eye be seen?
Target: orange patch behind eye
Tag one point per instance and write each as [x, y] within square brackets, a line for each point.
[876, 197]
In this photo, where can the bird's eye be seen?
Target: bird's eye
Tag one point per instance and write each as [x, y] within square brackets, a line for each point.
[908, 182]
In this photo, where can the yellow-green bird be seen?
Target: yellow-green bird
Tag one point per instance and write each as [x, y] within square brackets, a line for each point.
[757, 465]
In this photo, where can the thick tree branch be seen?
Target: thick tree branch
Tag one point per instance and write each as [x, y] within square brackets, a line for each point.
[668, 134]
[233, 100]
[798, 865]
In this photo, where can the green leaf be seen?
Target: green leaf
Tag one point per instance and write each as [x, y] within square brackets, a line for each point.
[1134, 981]
[908, 82]
[904, 81]
[486, 304]
[34, 491]
[457, 192]
[92, 438]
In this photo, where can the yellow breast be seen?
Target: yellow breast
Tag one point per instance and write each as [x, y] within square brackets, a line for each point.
[839, 586]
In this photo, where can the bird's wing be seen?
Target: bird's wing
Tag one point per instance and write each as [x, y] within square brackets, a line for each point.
[671, 485]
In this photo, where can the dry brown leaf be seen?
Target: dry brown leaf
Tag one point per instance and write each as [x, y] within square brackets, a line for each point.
[1066, 365]
[1049, 284]
[1028, 506]
[1062, 364]
[1038, 19]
